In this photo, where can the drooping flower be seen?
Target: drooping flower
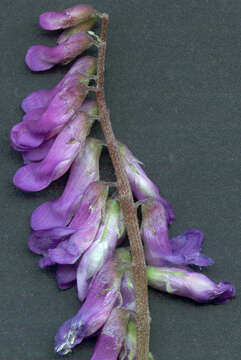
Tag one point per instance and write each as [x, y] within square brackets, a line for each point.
[112, 335]
[102, 297]
[40, 57]
[39, 153]
[38, 175]
[48, 122]
[84, 171]
[67, 18]
[64, 245]
[193, 285]
[159, 250]
[83, 26]
[141, 185]
[87, 220]
[86, 65]
[102, 248]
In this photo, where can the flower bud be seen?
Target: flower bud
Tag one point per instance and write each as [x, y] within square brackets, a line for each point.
[141, 185]
[193, 285]
[102, 248]
[84, 171]
[40, 57]
[67, 18]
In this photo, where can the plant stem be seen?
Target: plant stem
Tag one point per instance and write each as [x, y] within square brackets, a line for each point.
[128, 207]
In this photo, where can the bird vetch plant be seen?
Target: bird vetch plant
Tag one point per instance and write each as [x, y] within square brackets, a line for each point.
[80, 232]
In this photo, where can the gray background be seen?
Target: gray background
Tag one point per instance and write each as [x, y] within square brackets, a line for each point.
[173, 85]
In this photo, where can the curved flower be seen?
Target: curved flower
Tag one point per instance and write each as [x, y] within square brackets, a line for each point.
[39, 153]
[159, 250]
[67, 18]
[102, 296]
[37, 176]
[141, 185]
[83, 26]
[87, 220]
[30, 133]
[40, 57]
[102, 248]
[112, 335]
[86, 65]
[84, 171]
[193, 285]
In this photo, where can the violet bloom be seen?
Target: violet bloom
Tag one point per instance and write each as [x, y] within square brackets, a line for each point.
[86, 65]
[102, 248]
[30, 133]
[84, 171]
[37, 176]
[39, 153]
[66, 275]
[129, 346]
[102, 297]
[40, 57]
[159, 250]
[67, 18]
[87, 220]
[70, 242]
[83, 26]
[112, 335]
[193, 285]
[140, 183]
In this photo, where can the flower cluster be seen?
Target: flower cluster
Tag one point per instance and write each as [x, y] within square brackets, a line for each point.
[80, 232]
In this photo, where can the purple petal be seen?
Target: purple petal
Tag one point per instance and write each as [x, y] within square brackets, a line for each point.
[40, 58]
[103, 295]
[42, 98]
[193, 285]
[87, 219]
[38, 153]
[66, 275]
[84, 171]
[187, 247]
[102, 248]
[37, 176]
[67, 18]
[82, 26]
[141, 185]
[154, 231]
[112, 335]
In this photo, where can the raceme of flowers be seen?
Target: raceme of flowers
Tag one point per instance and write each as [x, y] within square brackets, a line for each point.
[81, 231]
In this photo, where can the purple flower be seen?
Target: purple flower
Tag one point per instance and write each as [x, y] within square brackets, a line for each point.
[141, 185]
[193, 285]
[87, 220]
[37, 176]
[159, 250]
[83, 26]
[102, 296]
[112, 335]
[102, 248]
[67, 18]
[30, 133]
[40, 57]
[128, 291]
[86, 65]
[39, 153]
[66, 275]
[84, 171]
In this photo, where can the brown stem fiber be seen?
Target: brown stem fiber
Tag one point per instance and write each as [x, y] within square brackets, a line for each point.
[128, 208]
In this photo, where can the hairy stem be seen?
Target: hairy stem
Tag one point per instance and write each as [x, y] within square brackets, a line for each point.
[128, 207]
